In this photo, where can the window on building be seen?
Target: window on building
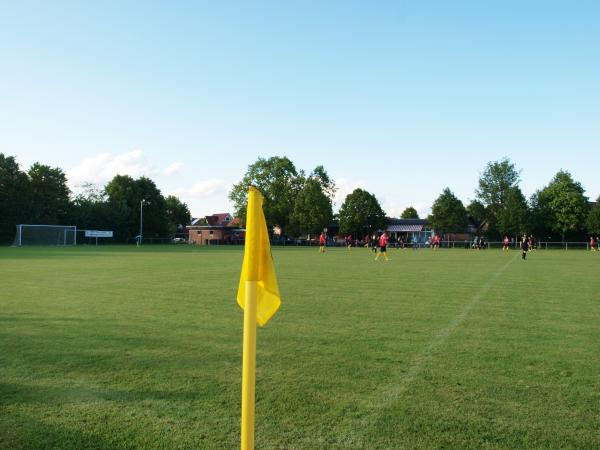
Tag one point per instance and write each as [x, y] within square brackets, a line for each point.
[210, 232]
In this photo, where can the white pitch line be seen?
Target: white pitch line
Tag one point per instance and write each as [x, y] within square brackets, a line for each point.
[389, 396]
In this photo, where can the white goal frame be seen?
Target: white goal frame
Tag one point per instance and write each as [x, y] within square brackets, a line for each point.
[70, 228]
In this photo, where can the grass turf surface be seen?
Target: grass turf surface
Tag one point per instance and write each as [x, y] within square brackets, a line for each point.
[124, 347]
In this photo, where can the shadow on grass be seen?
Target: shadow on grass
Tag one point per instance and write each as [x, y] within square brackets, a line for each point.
[21, 432]
[37, 252]
[23, 318]
[66, 360]
[56, 395]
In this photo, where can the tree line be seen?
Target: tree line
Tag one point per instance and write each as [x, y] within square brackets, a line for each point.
[302, 205]
[298, 203]
[41, 195]
[558, 211]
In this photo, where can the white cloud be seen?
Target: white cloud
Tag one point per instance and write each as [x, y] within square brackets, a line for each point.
[424, 209]
[104, 166]
[173, 168]
[201, 189]
[393, 209]
[345, 187]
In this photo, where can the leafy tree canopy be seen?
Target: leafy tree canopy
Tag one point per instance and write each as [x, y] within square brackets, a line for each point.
[593, 219]
[410, 213]
[477, 211]
[281, 184]
[14, 197]
[564, 202]
[126, 195]
[41, 196]
[448, 214]
[312, 209]
[178, 213]
[496, 181]
[327, 184]
[49, 194]
[361, 213]
[513, 214]
[278, 180]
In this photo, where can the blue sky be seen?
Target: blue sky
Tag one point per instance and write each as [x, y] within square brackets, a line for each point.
[400, 98]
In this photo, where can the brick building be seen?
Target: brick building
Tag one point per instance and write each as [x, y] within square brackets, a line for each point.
[215, 229]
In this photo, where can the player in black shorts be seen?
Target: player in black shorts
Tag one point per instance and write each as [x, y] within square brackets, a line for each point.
[524, 247]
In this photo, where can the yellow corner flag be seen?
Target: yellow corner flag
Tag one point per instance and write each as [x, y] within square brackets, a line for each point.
[258, 263]
[258, 295]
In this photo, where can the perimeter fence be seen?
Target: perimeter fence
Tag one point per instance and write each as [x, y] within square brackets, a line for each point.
[487, 245]
[540, 245]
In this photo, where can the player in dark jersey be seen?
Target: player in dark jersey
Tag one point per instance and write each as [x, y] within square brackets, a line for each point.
[524, 247]
[374, 242]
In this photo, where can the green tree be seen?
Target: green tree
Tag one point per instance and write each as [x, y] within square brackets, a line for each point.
[327, 184]
[593, 219]
[14, 197]
[312, 209]
[540, 217]
[48, 194]
[564, 204]
[280, 183]
[448, 214]
[125, 196]
[361, 213]
[513, 214]
[178, 213]
[125, 201]
[410, 213]
[91, 210]
[156, 223]
[477, 211]
[495, 183]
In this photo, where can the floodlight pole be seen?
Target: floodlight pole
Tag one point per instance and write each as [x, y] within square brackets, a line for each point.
[141, 220]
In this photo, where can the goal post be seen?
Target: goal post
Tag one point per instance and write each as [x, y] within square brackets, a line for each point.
[59, 235]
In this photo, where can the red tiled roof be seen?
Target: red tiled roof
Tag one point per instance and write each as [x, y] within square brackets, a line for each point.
[219, 219]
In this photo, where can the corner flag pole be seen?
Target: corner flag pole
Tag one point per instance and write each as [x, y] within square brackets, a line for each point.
[249, 367]
[258, 295]
[249, 344]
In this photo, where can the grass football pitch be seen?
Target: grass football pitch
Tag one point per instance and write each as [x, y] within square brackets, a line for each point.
[124, 347]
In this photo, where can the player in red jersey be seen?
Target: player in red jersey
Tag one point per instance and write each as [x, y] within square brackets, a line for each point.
[349, 241]
[505, 243]
[383, 241]
[322, 242]
[592, 244]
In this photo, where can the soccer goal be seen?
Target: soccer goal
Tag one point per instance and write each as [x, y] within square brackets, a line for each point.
[45, 235]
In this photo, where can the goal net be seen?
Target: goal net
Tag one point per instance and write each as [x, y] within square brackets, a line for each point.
[45, 235]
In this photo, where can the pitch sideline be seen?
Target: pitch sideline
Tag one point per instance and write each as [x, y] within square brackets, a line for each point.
[390, 395]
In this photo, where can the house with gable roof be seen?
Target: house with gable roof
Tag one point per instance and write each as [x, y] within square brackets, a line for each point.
[215, 229]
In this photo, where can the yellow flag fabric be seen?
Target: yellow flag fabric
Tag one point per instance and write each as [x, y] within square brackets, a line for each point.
[258, 262]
